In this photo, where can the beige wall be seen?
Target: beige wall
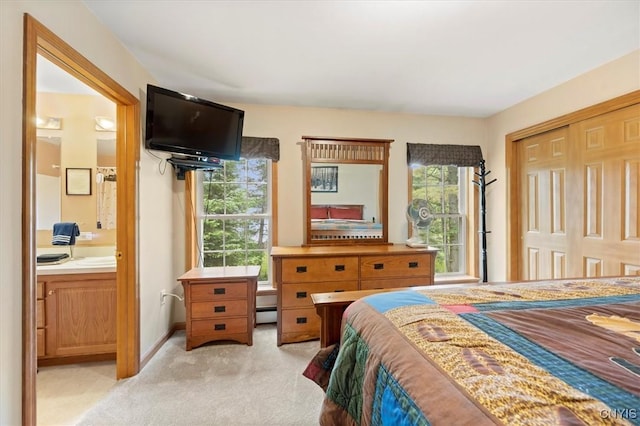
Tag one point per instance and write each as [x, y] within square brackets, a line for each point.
[161, 196]
[289, 124]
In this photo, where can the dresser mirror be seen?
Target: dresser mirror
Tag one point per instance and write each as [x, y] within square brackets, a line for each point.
[346, 184]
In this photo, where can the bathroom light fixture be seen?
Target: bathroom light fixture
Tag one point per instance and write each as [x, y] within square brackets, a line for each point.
[105, 124]
[52, 123]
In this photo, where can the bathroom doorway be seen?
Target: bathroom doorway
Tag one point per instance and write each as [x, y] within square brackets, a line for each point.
[38, 40]
[75, 133]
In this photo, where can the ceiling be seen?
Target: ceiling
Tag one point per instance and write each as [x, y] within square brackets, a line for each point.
[462, 58]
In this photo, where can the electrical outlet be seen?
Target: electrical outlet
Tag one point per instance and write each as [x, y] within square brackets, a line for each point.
[163, 294]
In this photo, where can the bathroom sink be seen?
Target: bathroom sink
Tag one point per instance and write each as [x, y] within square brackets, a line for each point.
[97, 261]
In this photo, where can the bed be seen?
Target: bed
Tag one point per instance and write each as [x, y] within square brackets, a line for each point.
[564, 352]
[342, 221]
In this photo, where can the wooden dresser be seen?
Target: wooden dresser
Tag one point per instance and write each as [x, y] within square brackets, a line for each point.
[220, 304]
[302, 271]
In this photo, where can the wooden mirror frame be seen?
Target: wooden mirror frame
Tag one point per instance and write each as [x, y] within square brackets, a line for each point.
[339, 150]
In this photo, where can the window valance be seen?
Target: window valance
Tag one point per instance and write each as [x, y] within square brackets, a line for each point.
[253, 147]
[443, 155]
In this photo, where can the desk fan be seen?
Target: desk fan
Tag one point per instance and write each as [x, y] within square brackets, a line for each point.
[420, 218]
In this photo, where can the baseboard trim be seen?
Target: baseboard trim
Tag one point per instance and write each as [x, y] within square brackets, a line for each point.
[75, 359]
[150, 354]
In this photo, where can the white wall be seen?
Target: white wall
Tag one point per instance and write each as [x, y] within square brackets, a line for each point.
[78, 27]
[603, 83]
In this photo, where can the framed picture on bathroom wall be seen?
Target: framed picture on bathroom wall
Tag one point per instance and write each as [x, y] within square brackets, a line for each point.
[78, 181]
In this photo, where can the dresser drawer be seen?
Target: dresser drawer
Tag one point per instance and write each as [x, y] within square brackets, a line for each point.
[395, 283]
[312, 269]
[218, 291]
[304, 320]
[405, 265]
[40, 290]
[40, 314]
[218, 327]
[220, 308]
[299, 295]
[40, 342]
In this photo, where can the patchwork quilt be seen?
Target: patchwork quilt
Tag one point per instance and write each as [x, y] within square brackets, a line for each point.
[537, 353]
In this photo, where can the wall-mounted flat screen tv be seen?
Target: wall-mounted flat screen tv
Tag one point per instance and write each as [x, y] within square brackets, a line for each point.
[185, 124]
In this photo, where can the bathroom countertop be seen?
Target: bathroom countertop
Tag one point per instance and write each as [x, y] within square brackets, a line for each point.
[83, 265]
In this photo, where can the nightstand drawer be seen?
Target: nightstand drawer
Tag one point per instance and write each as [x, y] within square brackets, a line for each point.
[299, 295]
[217, 291]
[218, 327]
[221, 308]
[304, 320]
[395, 266]
[312, 269]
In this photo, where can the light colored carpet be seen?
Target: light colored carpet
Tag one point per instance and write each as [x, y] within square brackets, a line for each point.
[217, 384]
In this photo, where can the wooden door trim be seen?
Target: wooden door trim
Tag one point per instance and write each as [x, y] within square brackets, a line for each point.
[40, 40]
[514, 272]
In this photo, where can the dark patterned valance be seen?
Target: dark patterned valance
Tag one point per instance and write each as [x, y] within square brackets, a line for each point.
[443, 155]
[268, 148]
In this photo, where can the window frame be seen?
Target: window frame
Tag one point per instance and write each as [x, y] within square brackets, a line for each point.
[468, 198]
[194, 218]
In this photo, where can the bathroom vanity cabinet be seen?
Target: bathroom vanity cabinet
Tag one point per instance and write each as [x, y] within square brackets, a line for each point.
[76, 317]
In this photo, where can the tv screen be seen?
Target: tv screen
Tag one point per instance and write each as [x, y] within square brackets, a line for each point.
[185, 124]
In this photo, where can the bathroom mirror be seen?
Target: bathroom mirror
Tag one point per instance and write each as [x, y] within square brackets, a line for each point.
[48, 193]
[74, 143]
[346, 183]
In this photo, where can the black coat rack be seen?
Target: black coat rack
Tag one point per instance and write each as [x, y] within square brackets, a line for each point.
[482, 184]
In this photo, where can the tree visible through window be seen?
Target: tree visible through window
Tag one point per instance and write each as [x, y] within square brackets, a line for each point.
[236, 215]
[443, 187]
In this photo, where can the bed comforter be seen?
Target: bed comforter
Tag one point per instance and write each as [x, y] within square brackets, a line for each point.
[555, 352]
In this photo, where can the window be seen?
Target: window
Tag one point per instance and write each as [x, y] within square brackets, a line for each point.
[235, 215]
[444, 188]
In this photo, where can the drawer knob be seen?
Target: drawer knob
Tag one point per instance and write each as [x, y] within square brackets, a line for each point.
[301, 269]
[219, 290]
[378, 266]
[338, 291]
[219, 308]
[301, 294]
[339, 268]
[219, 327]
[413, 264]
[301, 320]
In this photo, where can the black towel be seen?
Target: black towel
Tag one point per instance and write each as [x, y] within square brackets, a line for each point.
[65, 233]
[51, 258]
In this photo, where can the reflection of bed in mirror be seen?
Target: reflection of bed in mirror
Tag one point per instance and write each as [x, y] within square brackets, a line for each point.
[342, 221]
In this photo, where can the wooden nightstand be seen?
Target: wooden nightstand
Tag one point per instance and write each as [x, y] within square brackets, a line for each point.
[220, 304]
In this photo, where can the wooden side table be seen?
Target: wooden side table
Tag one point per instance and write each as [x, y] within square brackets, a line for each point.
[330, 308]
[220, 304]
